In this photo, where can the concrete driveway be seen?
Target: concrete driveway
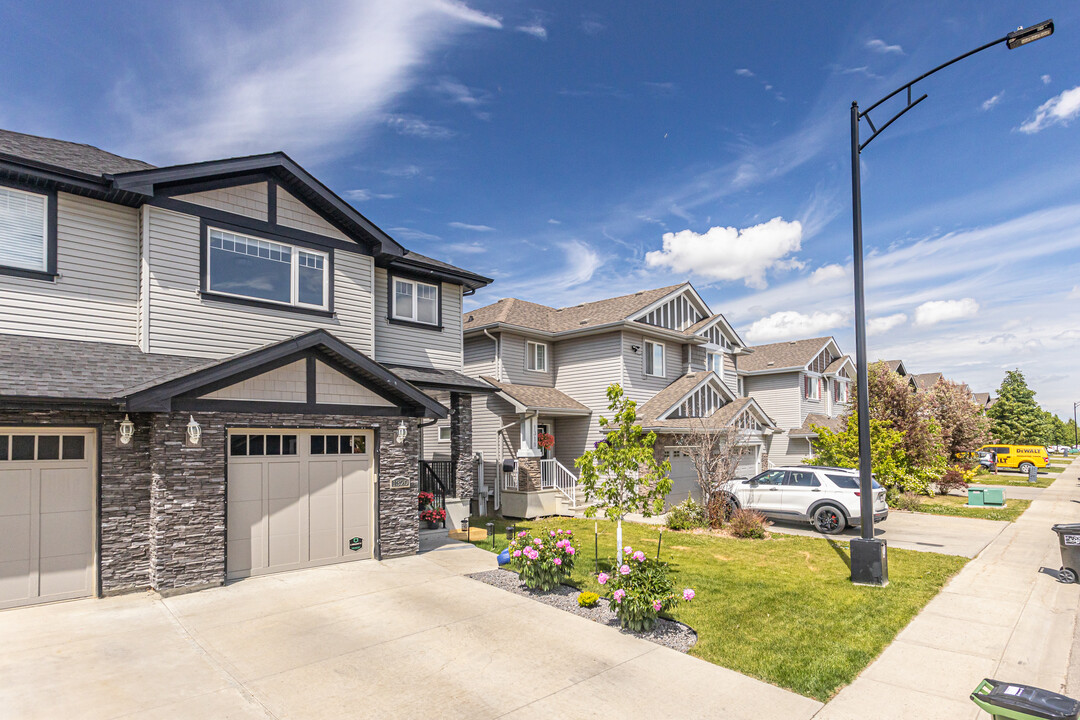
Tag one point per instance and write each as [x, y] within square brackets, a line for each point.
[405, 638]
[921, 531]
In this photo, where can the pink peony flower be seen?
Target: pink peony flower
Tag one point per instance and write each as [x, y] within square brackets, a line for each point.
[688, 594]
[557, 561]
[522, 534]
[639, 556]
[624, 570]
[538, 542]
[657, 605]
[517, 553]
[570, 551]
[619, 595]
[627, 550]
[602, 578]
[552, 533]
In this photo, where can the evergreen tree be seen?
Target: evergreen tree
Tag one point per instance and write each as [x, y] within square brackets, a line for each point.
[1017, 419]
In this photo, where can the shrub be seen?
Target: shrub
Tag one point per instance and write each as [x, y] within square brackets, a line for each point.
[907, 501]
[746, 523]
[687, 515]
[640, 589]
[543, 561]
[955, 478]
[588, 599]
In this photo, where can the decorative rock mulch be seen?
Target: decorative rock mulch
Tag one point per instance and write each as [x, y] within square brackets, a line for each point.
[668, 633]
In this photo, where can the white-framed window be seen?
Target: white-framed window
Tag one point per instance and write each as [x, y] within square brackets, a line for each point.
[811, 387]
[24, 231]
[415, 301]
[537, 353]
[840, 391]
[258, 269]
[444, 433]
[715, 361]
[654, 358]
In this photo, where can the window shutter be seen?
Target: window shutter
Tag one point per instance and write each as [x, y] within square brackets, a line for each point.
[22, 229]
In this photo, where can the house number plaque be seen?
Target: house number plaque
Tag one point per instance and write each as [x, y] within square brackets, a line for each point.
[399, 483]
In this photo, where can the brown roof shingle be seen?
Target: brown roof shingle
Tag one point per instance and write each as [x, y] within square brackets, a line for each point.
[925, 381]
[534, 396]
[775, 356]
[68, 155]
[836, 424]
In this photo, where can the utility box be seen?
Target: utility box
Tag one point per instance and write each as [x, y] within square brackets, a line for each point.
[994, 497]
[975, 497]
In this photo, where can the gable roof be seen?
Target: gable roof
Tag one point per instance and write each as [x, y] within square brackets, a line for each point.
[897, 366]
[77, 157]
[838, 364]
[836, 424]
[706, 323]
[723, 417]
[982, 399]
[677, 391]
[790, 355]
[925, 381]
[533, 316]
[532, 398]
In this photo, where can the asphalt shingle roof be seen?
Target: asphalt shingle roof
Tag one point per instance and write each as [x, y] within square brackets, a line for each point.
[534, 396]
[512, 311]
[68, 155]
[440, 378]
[836, 424]
[774, 356]
[925, 381]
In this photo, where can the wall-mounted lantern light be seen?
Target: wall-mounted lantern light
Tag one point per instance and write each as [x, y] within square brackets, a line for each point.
[194, 431]
[402, 432]
[126, 432]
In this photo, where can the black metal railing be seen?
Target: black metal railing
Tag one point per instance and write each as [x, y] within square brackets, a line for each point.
[437, 477]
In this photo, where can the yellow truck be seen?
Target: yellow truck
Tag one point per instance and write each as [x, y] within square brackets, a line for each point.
[1020, 457]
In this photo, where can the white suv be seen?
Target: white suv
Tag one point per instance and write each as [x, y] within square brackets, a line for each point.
[826, 497]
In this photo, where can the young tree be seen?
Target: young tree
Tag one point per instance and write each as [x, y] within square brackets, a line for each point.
[964, 427]
[621, 474]
[893, 401]
[1016, 417]
[715, 452]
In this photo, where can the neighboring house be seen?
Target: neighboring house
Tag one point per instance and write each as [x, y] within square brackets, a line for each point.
[924, 382]
[983, 400]
[799, 383]
[209, 371]
[552, 367]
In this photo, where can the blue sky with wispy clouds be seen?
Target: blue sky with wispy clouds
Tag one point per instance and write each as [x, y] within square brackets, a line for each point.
[578, 150]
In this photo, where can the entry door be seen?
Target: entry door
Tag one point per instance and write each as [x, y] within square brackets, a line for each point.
[46, 514]
[298, 499]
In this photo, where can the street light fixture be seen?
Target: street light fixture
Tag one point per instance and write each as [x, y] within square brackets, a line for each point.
[869, 559]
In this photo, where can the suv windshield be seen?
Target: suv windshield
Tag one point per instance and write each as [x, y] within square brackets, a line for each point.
[849, 482]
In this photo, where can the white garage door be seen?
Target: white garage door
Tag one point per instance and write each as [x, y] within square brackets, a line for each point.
[46, 514]
[684, 481]
[748, 463]
[298, 498]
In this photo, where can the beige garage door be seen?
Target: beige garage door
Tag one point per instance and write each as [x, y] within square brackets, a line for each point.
[298, 498]
[684, 479]
[46, 514]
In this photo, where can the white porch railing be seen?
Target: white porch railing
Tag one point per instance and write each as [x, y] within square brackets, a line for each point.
[509, 479]
[553, 474]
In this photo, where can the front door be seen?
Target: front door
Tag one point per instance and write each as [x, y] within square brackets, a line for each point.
[542, 429]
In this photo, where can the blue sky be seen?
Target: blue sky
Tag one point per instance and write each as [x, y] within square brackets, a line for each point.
[578, 150]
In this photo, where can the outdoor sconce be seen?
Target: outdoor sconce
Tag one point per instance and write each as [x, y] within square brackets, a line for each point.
[126, 432]
[402, 432]
[635, 348]
[194, 432]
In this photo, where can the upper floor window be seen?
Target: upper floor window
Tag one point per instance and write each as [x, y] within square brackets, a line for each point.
[811, 387]
[24, 236]
[258, 269]
[654, 358]
[444, 433]
[537, 359]
[840, 391]
[715, 362]
[415, 301]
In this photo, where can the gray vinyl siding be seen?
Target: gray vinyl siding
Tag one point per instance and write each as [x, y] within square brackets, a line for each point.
[698, 359]
[433, 449]
[731, 378]
[479, 352]
[573, 439]
[812, 406]
[779, 396]
[489, 413]
[409, 345]
[96, 295]
[183, 323]
[584, 368]
[638, 385]
[247, 200]
[785, 450]
[512, 352]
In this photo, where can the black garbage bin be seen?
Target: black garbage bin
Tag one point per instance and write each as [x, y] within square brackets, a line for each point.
[1023, 702]
[1069, 542]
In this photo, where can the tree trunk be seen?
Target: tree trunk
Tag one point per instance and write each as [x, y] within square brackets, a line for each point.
[618, 541]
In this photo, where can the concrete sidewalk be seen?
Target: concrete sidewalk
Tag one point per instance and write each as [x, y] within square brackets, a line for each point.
[1003, 616]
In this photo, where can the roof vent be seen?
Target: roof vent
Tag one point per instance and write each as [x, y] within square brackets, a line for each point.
[792, 342]
[770, 363]
[583, 322]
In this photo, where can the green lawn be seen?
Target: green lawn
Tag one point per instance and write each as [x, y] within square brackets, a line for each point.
[782, 610]
[957, 505]
[985, 477]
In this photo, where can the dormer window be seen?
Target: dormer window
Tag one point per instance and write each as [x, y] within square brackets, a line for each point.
[265, 270]
[415, 301]
[25, 246]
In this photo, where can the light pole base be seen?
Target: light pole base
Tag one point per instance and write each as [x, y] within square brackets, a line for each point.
[869, 562]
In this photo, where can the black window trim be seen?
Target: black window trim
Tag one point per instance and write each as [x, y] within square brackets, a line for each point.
[49, 274]
[391, 276]
[205, 224]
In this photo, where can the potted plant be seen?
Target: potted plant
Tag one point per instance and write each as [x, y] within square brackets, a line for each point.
[433, 517]
[545, 441]
[426, 500]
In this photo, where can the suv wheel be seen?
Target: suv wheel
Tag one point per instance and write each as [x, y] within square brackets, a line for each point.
[1025, 467]
[829, 519]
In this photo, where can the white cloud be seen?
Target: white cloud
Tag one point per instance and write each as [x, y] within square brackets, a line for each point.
[363, 195]
[462, 94]
[1045, 79]
[303, 97]
[745, 72]
[827, 273]
[880, 325]
[553, 221]
[792, 324]
[471, 228]
[402, 171]
[1058, 110]
[727, 253]
[405, 233]
[418, 127]
[991, 102]
[472, 248]
[535, 29]
[1074, 294]
[592, 26]
[880, 46]
[936, 311]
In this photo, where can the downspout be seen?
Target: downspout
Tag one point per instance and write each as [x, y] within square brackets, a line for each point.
[498, 359]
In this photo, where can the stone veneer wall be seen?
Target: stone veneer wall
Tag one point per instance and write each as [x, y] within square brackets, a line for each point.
[124, 497]
[461, 447]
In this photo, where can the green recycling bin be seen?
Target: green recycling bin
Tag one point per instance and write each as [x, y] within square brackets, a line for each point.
[1023, 702]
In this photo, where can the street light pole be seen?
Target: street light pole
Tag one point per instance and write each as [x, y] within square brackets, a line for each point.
[1076, 440]
[869, 556]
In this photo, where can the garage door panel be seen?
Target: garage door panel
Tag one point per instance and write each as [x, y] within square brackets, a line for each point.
[65, 490]
[245, 554]
[17, 582]
[15, 531]
[323, 478]
[284, 480]
[324, 546]
[245, 519]
[15, 492]
[356, 476]
[284, 532]
[684, 480]
[65, 533]
[245, 482]
[65, 574]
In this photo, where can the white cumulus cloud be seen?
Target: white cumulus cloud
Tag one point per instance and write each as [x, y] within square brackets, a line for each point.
[937, 311]
[1058, 110]
[1045, 79]
[989, 103]
[792, 324]
[418, 127]
[727, 253]
[883, 47]
[827, 273]
[880, 325]
[535, 29]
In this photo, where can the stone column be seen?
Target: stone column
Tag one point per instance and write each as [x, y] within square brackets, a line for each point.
[399, 529]
[528, 474]
[461, 448]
